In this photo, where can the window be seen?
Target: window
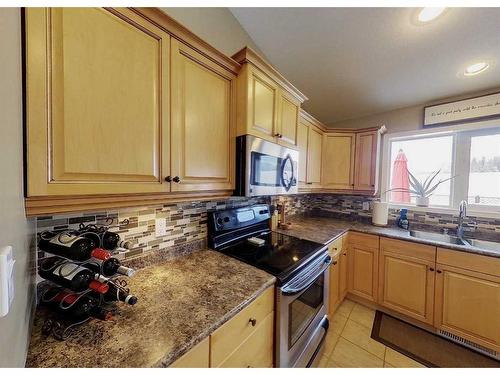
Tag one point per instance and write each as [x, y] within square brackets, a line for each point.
[468, 162]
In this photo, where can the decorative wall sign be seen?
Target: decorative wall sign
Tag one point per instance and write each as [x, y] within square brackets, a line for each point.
[487, 106]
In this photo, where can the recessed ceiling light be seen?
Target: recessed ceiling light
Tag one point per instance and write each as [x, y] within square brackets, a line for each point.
[427, 14]
[476, 68]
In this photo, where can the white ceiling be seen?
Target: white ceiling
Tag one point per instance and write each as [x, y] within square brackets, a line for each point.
[353, 62]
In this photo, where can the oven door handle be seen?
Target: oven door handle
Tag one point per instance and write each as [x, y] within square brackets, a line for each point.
[295, 288]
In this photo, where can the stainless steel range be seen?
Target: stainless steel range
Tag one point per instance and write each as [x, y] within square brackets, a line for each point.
[301, 268]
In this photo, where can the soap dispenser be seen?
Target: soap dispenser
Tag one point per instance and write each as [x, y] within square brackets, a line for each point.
[403, 220]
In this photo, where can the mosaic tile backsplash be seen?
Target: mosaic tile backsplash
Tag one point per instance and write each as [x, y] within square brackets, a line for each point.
[187, 222]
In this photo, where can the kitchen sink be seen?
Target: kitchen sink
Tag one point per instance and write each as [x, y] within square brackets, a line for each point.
[436, 237]
[488, 245]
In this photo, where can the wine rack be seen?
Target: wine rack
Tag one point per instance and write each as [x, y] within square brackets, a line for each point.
[75, 289]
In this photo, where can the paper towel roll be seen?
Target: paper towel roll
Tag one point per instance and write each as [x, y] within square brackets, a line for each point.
[380, 213]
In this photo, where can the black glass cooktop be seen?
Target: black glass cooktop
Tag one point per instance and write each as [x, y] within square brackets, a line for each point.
[280, 255]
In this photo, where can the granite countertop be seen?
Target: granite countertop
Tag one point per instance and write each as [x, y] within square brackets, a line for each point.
[326, 229]
[181, 302]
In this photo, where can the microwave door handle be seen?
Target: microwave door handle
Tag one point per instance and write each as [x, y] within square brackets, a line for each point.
[296, 289]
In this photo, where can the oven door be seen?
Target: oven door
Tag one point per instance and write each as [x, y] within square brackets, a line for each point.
[272, 169]
[301, 318]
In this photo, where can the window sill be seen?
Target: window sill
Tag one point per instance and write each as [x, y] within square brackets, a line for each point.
[487, 212]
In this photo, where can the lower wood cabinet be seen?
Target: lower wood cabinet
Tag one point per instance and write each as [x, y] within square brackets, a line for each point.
[198, 357]
[363, 265]
[467, 301]
[343, 266]
[246, 340]
[406, 278]
[338, 275]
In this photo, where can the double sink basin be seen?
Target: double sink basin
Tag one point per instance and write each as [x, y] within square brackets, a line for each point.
[487, 245]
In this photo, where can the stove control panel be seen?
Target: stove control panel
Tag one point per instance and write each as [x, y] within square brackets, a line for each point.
[237, 218]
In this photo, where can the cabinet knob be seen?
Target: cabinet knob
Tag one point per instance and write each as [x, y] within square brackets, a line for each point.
[431, 269]
[252, 321]
[334, 263]
[278, 135]
[345, 254]
[176, 179]
[439, 271]
[168, 179]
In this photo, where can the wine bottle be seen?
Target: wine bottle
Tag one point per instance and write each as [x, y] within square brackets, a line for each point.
[73, 247]
[70, 305]
[109, 267]
[71, 275]
[117, 294]
[111, 241]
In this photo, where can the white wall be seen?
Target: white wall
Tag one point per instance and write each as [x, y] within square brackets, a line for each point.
[15, 230]
[217, 26]
[404, 119]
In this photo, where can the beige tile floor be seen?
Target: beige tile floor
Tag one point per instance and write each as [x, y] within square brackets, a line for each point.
[348, 343]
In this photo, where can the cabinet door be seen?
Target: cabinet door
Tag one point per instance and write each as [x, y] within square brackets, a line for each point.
[302, 135]
[197, 357]
[363, 266]
[343, 281]
[365, 161]
[467, 304]
[406, 285]
[263, 103]
[338, 161]
[288, 120]
[202, 122]
[314, 157]
[334, 286]
[97, 102]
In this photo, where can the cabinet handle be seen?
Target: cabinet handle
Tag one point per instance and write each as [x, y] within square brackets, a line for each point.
[168, 179]
[176, 179]
[334, 263]
[431, 269]
[345, 254]
[439, 271]
[252, 321]
[278, 135]
[309, 183]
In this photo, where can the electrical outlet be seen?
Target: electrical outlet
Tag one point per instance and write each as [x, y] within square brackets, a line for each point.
[161, 227]
[366, 206]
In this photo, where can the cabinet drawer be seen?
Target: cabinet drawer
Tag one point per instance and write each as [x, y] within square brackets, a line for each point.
[197, 357]
[335, 247]
[225, 339]
[256, 350]
[406, 248]
[362, 239]
[468, 261]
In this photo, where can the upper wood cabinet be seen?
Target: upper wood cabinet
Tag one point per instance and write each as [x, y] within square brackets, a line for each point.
[338, 161]
[203, 137]
[288, 119]
[102, 88]
[309, 143]
[350, 160]
[365, 160]
[406, 278]
[267, 104]
[97, 102]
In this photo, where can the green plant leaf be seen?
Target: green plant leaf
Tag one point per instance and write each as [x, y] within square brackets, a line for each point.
[434, 174]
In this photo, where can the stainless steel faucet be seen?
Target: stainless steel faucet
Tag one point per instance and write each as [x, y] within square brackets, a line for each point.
[462, 214]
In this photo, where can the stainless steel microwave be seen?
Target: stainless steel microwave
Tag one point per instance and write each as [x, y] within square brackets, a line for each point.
[265, 168]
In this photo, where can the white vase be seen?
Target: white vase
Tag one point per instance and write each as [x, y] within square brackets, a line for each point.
[422, 201]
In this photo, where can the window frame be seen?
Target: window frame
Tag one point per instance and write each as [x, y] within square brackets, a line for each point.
[460, 166]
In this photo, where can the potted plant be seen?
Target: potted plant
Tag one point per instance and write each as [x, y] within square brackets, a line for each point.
[422, 190]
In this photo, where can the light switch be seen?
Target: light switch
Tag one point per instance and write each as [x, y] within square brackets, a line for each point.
[6, 279]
